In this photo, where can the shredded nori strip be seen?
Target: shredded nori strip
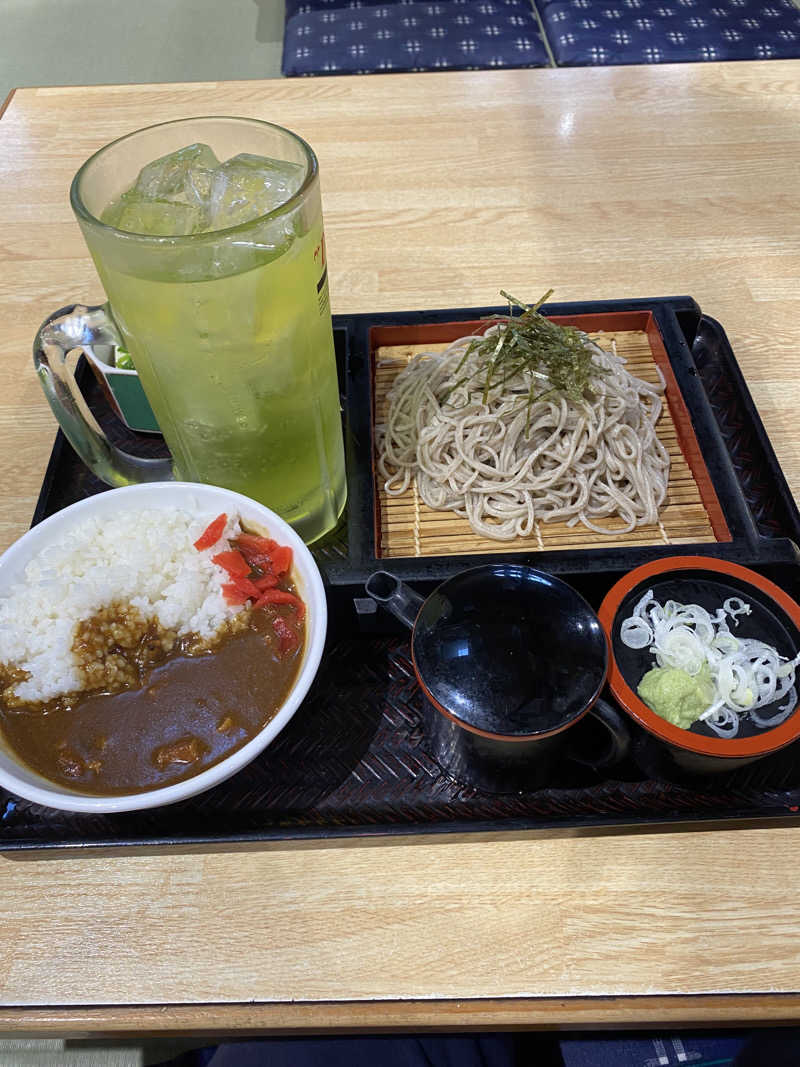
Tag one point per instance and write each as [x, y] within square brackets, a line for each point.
[551, 353]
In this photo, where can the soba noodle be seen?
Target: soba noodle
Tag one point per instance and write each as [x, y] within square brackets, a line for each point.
[506, 462]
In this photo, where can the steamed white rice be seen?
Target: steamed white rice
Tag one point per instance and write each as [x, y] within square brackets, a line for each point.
[145, 558]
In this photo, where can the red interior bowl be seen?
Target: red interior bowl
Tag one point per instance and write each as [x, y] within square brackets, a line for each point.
[775, 618]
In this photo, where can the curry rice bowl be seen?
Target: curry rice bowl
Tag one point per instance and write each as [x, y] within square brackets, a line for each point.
[142, 558]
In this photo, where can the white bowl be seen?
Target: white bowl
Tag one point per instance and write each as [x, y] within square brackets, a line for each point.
[17, 778]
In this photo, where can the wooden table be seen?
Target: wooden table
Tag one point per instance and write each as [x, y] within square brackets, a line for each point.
[438, 190]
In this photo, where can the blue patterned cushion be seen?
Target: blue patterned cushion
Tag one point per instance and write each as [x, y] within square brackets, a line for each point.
[305, 7]
[440, 35]
[616, 32]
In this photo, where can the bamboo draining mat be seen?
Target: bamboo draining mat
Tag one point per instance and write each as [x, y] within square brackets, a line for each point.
[408, 527]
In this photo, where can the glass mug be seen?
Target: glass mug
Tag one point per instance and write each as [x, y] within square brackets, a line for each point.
[230, 332]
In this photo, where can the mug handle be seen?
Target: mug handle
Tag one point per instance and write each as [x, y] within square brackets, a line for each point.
[82, 327]
[618, 738]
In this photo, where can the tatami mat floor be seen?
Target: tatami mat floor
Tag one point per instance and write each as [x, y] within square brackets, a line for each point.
[56, 1054]
[49, 1052]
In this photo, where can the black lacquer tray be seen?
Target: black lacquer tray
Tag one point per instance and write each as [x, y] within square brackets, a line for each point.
[354, 761]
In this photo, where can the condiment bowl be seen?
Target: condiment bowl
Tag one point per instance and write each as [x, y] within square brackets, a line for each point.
[774, 618]
[21, 780]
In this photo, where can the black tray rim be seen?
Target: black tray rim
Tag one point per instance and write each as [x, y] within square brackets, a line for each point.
[696, 821]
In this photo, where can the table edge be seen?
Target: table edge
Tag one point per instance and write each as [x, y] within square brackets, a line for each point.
[548, 1013]
[6, 102]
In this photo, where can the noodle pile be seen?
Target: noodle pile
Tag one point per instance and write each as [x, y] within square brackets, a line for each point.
[521, 451]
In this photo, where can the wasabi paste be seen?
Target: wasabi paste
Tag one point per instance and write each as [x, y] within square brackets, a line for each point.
[677, 696]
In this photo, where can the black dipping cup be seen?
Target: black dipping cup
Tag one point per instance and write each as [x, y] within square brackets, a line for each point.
[509, 658]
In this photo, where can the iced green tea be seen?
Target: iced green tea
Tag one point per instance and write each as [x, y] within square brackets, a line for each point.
[216, 274]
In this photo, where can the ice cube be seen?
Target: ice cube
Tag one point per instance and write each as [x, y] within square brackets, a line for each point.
[247, 186]
[162, 218]
[167, 177]
[197, 187]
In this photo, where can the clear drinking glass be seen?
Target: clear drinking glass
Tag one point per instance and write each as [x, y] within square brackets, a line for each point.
[230, 332]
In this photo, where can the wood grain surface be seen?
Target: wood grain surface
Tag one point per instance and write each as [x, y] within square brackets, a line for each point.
[438, 190]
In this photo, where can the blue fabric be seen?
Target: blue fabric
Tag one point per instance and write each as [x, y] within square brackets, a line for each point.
[305, 7]
[440, 35]
[760, 1048]
[664, 1050]
[617, 32]
[436, 1050]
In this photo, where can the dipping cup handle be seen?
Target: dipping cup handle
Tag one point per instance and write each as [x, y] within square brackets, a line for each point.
[615, 746]
[82, 327]
[397, 597]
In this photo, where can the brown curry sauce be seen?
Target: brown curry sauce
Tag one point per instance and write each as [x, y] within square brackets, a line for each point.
[188, 711]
